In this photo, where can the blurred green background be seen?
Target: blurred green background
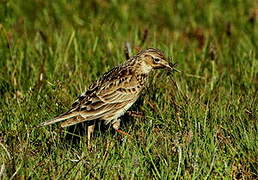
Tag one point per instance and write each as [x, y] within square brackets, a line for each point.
[199, 124]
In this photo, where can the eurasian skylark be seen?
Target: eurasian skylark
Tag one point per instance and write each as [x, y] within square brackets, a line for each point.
[114, 93]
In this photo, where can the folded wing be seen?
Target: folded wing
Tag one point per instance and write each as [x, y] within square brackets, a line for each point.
[101, 100]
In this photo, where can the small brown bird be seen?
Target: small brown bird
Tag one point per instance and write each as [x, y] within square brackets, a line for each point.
[114, 93]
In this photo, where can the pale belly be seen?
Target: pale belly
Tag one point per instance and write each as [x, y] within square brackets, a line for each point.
[118, 114]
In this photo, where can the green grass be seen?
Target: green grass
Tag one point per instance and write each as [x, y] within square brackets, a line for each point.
[199, 124]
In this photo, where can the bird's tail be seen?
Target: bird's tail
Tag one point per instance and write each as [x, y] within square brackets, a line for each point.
[62, 117]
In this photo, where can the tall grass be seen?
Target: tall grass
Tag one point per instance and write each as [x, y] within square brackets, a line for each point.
[199, 124]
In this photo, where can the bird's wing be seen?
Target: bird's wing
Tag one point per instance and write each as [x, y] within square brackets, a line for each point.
[112, 92]
[105, 101]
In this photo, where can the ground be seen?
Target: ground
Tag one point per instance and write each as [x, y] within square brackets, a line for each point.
[200, 123]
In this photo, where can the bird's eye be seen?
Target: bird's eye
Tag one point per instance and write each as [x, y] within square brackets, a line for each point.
[156, 60]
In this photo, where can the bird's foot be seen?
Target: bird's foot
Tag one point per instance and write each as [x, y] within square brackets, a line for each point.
[122, 132]
[135, 114]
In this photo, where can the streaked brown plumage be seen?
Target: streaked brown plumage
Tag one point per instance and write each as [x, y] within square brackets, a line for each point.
[114, 93]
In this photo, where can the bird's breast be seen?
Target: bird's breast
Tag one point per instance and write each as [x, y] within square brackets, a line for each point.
[141, 79]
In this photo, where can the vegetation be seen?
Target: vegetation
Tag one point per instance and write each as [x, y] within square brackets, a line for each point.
[198, 124]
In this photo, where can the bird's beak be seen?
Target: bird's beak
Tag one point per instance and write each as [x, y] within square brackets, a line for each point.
[168, 67]
[171, 67]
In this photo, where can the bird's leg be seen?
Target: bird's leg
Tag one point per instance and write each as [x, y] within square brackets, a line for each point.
[135, 114]
[116, 126]
[90, 132]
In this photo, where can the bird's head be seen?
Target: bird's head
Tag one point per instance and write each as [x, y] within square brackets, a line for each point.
[153, 59]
